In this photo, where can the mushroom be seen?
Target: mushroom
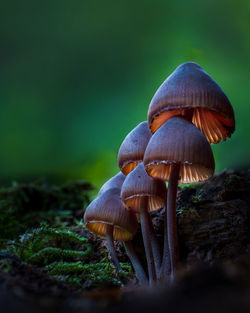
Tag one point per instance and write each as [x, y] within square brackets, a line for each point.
[115, 181]
[107, 217]
[141, 193]
[132, 148]
[177, 151]
[191, 92]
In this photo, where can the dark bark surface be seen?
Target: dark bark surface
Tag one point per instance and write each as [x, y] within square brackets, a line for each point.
[213, 230]
[213, 219]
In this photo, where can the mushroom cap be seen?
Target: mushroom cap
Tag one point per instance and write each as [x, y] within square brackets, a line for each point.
[179, 141]
[133, 147]
[115, 181]
[138, 184]
[189, 87]
[108, 209]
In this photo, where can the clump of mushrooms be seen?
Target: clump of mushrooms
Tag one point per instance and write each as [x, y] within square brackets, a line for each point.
[187, 113]
[141, 193]
[131, 154]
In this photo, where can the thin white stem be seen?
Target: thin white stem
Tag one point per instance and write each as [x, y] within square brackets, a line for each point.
[145, 228]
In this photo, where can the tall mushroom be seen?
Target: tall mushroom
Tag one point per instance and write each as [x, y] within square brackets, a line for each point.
[141, 193]
[107, 217]
[177, 152]
[189, 91]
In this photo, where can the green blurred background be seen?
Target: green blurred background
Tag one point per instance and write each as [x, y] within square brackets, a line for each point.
[77, 76]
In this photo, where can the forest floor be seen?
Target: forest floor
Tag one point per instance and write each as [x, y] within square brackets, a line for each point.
[49, 262]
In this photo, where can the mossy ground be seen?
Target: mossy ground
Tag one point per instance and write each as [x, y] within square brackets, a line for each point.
[41, 226]
[48, 259]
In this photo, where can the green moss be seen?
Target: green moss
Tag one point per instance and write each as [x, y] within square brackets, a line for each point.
[65, 255]
[232, 180]
[50, 254]
[187, 212]
[9, 224]
[38, 223]
[190, 185]
[197, 197]
[5, 265]
[23, 206]
[181, 210]
[94, 274]
[93, 271]
[45, 245]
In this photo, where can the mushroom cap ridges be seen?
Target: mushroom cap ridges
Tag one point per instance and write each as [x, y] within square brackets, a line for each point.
[115, 181]
[109, 209]
[179, 141]
[138, 184]
[133, 146]
[190, 87]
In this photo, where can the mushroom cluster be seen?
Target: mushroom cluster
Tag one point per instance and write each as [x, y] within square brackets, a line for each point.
[188, 112]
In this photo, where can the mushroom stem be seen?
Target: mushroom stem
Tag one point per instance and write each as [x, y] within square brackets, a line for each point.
[166, 263]
[155, 249]
[139, 271]
[171, 221]
[145, 228]
[111, 247]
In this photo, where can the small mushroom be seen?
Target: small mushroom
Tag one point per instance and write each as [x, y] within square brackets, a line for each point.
[132, 148]
[142, 193]
[115, 181]
[191, 92]
[107, 217]
[177, 152]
